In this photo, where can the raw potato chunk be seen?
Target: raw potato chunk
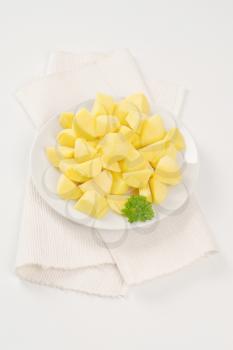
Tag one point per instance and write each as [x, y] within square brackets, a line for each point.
[84, 124]
[122, 109]
[65, 152]
[169, 150]
[117, 202]
[119, 186]
[89, 169]
[138, 164]
[52, 156]
[158, 190]
[67, 189]
[102, 183]
[103, 104]
[137, 178]
[66, 120]
[69, 168]
[93, 204]
[140, 101]
[126, 132]
[114, 147]
[174, 135]
[115, 167]
[134, 120]
[66, 138]
[83, 151]
[136, 141]
[153, 130]
[105, 124]
[146, 192]
[168, 171]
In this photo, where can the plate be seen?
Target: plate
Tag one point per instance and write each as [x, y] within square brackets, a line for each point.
[45, 177]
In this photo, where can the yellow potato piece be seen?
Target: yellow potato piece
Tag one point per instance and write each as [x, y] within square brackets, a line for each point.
[136, 141]
[53, 156]
[137, 164]
[168, 171]
[102, 183]
[69, 168]
[113, 166]
[134, 120]
[146, 192]
[84, 125]
[103, 104]
[140, 101]
[65, 152]
[114, 147]
[66, 120]
[119, 186]
[150, 151]
[117, 202]
[169, 150]
[67, 189]
[158, 190]
[152, 131]
[92, 204]
[137, 178]
[122, 109]
[105, 124]
[90, 168]
[66, 138]
[126, 132]
[83, 150]
[174, 135]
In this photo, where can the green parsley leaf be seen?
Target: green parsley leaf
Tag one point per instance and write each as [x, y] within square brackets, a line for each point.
[137, 208]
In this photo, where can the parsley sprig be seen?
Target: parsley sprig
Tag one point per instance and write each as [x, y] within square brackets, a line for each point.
[137, 208]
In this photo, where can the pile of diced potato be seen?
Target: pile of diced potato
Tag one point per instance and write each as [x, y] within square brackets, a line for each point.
[114, 151]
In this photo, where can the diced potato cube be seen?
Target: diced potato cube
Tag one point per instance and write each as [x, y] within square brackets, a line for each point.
[90, 168]
[102, 183]
[169, 150]
[140, 101]
[84, 125]
[158, 189]
[134, 120]
[126, 132]
[52, 156]
[83, 151]
[119, 186]
[114, 147]
[92, 204]
[122, 109]
[65, 152]
[117, 202]
[174, 135]
[137, 178]
[168, 171]
[69, 167]
[66, 138]
[152, 131]
[66, 120]
[67, 189]
[113, 166]
[137, 164]
[105, 124]
[103, 104]
[136, 141]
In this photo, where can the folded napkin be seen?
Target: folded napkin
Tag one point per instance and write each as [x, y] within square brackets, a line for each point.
[56, 252]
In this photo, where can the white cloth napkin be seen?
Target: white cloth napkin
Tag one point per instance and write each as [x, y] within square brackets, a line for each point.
[59, 253]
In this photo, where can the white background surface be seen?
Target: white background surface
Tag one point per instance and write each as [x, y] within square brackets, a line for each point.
[189, 42]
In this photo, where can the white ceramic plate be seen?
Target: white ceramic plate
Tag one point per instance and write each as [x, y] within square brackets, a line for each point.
[45, 178]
